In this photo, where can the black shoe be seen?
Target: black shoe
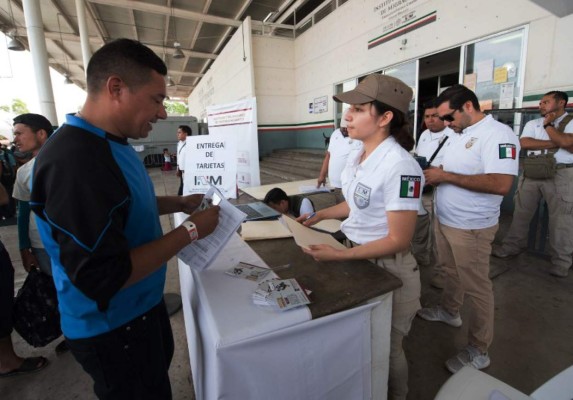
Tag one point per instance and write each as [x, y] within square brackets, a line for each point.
[62, 347]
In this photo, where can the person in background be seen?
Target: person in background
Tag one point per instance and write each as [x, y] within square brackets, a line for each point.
[98, 218]
[424, 242]
[182, 132]
[167, 160]
[382, 185]
[552, 132]
[293, 205]
[479, 166]
[339, 147]
[11, 364]
[31, 131]
[7, 178]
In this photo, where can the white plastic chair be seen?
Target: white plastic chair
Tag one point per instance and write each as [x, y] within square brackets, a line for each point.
[472, 384]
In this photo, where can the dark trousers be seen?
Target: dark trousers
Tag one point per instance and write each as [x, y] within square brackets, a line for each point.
[6, 292]
[132, 361]
[180, 191]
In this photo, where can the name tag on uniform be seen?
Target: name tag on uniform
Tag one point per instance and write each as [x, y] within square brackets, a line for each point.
[362, 196]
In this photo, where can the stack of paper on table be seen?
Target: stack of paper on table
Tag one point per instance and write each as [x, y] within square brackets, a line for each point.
[258, 230]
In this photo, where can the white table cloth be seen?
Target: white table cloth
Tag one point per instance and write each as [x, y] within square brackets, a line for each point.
[241, 351]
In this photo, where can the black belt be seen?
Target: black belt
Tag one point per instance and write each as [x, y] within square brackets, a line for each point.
[559, 166]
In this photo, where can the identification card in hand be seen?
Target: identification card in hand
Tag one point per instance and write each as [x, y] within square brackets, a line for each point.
[212, 198]
[248, 271]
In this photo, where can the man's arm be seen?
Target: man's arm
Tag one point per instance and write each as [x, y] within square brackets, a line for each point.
[173, 204]
[483, 183]
[528, 143]
[563, 140]
[148, 258]
[323, 170]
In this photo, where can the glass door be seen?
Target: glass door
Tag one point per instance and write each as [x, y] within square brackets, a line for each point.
[408, 73]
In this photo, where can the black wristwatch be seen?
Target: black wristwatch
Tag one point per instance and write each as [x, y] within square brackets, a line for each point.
[546, 125]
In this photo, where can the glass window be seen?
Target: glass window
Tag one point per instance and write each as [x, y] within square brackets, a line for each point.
[340, 107]
[407, 73]
[492, 70]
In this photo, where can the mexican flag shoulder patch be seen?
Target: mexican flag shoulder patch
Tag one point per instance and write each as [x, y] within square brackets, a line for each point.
[507, 150]
[410, 186]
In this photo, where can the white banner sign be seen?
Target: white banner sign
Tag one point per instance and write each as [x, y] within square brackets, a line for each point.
[238, 122]
[210, 160]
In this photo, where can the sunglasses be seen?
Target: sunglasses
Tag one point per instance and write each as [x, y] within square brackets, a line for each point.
[448, 117]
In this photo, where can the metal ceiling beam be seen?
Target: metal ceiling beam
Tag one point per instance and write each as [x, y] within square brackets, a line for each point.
[186, 74]
[244, 7]
[94, 16]
[163, 10]
[166, 30]
[56, 61]
[189, 53]
[131, 16]
[195, 36]
[291, 10]
[157, 49]
[60, 11]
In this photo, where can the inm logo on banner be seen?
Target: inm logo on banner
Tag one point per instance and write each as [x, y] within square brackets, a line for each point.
[206, 180]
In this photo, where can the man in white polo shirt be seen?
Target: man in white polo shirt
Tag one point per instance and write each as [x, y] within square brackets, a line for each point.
[557, 190]
[339, 146]
[478, 169]
[423, 242]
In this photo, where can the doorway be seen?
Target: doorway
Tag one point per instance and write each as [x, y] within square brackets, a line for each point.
[436, 73]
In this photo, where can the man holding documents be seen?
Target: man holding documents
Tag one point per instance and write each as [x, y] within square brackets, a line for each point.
[98, 218]
[382, 185]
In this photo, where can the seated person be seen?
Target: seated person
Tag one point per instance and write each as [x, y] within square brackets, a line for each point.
[294, 205]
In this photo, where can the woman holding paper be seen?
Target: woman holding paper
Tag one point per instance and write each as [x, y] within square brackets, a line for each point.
[382, 185]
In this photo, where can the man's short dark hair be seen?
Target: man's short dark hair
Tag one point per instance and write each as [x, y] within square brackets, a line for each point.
[275, 196]
[558, 95]
[129, 59]
[458, 95]
[35, 122]
[432, 103]
[186, 129]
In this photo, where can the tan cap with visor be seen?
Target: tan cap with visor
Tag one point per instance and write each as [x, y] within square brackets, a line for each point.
[384, 88]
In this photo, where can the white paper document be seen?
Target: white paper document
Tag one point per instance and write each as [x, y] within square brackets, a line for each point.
[199, 254]
[260, 230]
[304, 236]
[314, 189]
[328, 225]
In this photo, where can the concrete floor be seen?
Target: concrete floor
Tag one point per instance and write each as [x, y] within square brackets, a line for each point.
[533, 331]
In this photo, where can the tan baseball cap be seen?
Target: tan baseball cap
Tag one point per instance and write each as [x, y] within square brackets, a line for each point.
[384, 88]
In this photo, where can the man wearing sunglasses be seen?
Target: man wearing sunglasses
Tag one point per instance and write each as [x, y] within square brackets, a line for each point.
[549, 134]
[478, 169]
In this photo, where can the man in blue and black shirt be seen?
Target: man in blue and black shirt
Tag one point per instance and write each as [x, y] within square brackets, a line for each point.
[98, 218]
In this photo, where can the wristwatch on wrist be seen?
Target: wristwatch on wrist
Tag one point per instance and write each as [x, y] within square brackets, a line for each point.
[191, 229]
[546, 125]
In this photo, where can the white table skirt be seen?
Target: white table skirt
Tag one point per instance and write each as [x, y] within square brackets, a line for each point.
[241, 351]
